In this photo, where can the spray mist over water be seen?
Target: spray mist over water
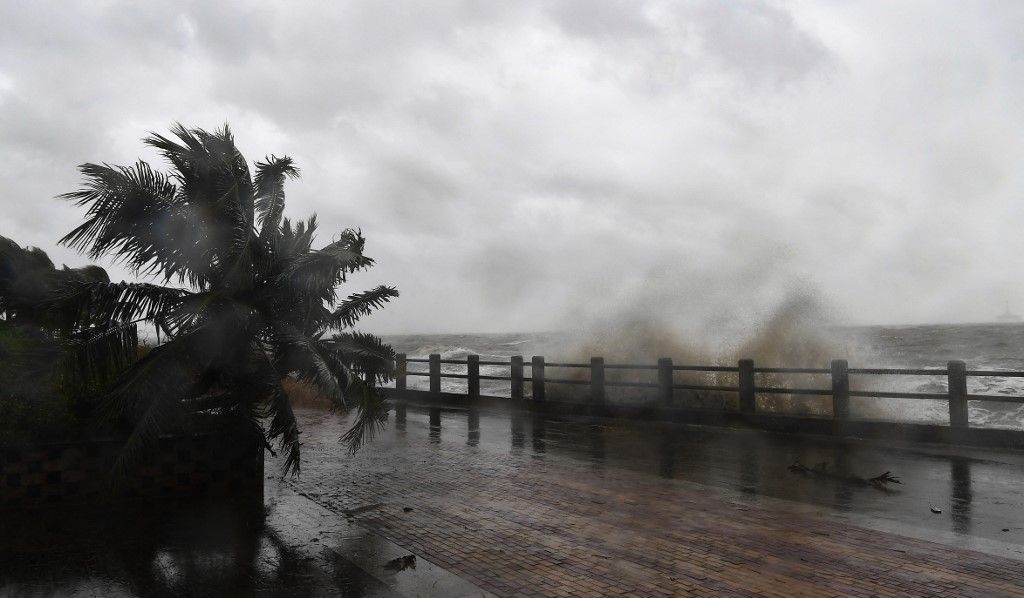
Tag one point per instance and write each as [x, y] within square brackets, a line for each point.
[795, 333]
[800, 330]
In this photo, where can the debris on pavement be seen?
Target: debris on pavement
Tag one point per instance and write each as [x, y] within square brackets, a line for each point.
[401, 563]
[821, 470]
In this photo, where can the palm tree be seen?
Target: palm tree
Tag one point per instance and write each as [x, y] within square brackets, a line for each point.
[255, 302]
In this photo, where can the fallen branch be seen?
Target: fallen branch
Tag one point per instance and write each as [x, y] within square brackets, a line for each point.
[885, 478]
[821, 471]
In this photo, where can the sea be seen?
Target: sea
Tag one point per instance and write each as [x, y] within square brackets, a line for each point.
[981, 346]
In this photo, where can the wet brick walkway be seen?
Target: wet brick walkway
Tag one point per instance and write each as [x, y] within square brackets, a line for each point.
[525, 519]
[294, 547]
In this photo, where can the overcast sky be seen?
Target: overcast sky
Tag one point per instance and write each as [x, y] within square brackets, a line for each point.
[531, 165]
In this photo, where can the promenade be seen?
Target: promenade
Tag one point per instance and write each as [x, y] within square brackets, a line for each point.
[521, 505]
[457, 503]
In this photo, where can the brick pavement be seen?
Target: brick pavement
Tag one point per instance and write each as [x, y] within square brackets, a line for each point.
[521, 523]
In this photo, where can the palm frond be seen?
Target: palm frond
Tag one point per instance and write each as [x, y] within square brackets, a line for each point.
[283, 425]
[297, 352]
[371, 414]
[138, 216]
[269, 181]
[187, 157]
[298, 236]
[365, 354]
[215, 181]
[194, 308]
[83, 304]
[318, 273]
[358, 305]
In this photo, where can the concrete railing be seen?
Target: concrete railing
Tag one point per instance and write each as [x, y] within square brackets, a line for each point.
[663, 384]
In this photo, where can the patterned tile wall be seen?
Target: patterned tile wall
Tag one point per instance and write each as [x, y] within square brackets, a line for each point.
[184, 466]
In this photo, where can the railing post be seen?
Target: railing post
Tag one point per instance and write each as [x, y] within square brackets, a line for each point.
[748, 400]
[957, 394]
[665, 381]
[473, 376]
[840, 389]
[537, 376]
[400, 371]
[517, 376]
[435, 374]
[597, 380]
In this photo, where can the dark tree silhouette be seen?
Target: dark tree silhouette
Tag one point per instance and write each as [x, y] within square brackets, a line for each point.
[51, 369]
[28, 280]
[255, 304]
[46, 350]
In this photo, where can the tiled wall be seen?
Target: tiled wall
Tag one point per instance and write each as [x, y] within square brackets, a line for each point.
[184, 466]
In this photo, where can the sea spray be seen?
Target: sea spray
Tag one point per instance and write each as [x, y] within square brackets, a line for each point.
[797, 333]
[794, 334]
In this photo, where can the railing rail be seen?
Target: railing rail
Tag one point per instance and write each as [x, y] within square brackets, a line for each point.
[746, 386]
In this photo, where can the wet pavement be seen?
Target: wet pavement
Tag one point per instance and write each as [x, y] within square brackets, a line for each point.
[517, 502]
[450, 502]
[164, 549]
[980, 492]
[294, 547]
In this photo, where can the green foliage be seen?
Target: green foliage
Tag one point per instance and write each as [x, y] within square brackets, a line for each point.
[54, 362]
[33, 407]
[29, 282]
[256, 306]
[33, 419]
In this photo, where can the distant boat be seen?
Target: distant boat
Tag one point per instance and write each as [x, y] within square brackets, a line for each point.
[1008, 316]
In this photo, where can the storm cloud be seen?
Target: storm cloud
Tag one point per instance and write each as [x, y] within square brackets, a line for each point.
[529, 165]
